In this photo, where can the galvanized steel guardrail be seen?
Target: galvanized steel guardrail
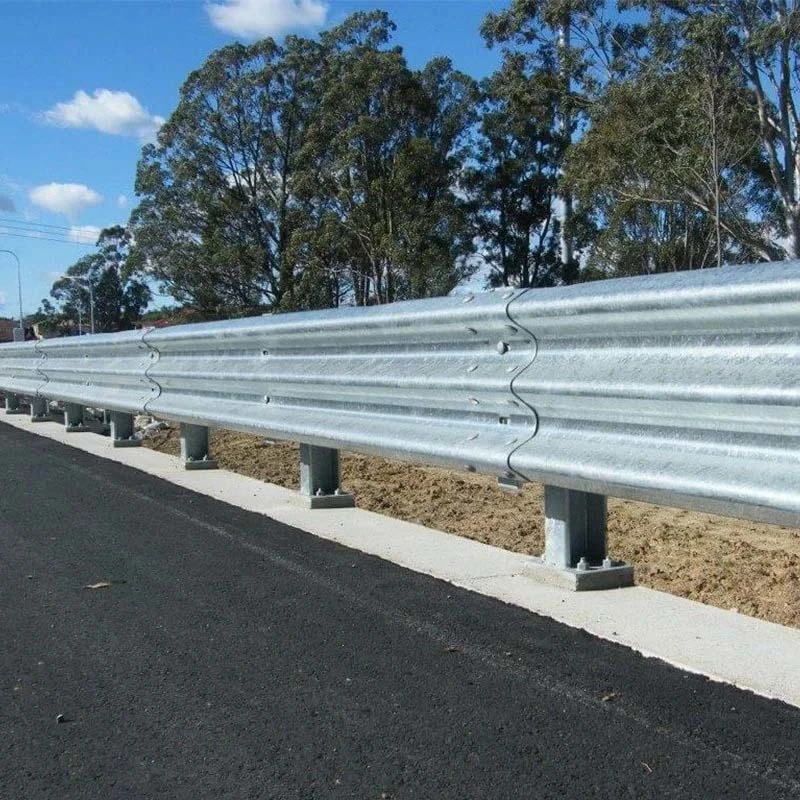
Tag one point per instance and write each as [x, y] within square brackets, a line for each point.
[680, 389]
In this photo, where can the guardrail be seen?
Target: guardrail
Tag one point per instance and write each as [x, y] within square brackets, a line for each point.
[680, 389]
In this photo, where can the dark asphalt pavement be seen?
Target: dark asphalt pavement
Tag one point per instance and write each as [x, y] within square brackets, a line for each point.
[235, 657]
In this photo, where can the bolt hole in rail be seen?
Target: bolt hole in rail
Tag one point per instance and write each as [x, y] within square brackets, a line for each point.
[678, 389]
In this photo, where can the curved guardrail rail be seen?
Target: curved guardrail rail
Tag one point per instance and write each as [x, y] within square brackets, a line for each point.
[107, 370]
[682, 389]
[20, 368]
[425, 380]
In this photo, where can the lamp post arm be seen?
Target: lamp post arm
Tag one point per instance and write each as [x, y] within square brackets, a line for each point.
[19, 286]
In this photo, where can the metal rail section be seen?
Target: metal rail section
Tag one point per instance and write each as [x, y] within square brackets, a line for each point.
[679, 389]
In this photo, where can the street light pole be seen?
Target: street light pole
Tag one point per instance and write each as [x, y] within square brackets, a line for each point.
[19, 287]
[88, 287]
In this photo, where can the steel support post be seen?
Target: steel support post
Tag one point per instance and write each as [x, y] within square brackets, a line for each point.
[73, 418]
[574, 527]
[319, 478]
[194, 447]
[575, 541]
[12, 404]
[122, 430]
[40, 409]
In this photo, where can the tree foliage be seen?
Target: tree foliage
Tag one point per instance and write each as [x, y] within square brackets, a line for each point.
[647, 136]
[120, 296]
[555, 56]
[761, 46]
[513, 180]
[218, 204]
[670, 162]
[672, 174]
[298, 175]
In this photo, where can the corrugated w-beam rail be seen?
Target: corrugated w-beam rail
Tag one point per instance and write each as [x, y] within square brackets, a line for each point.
[679, 389]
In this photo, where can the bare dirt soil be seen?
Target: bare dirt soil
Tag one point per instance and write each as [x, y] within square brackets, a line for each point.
[744, 566]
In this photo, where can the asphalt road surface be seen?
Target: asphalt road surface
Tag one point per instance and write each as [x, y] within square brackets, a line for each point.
[235, 657]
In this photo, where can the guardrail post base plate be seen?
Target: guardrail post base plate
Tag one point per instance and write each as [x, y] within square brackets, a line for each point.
[73, 418]
[122, 430]
[194, 447]
[575, 543]
[40, 409]
[319, 478]
[13, 406]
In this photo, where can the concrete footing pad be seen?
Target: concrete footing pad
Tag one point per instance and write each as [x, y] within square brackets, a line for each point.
[207, 463]
[126, 443]
[341, 500]
[613, 576]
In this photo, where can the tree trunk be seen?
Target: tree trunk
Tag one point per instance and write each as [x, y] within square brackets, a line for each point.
[792, 246]
[566, 197]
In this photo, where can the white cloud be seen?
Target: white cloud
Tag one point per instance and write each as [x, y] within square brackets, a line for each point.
[122, 201]
[252, 19]
[106, 111]
[84, 234]
[64, 198]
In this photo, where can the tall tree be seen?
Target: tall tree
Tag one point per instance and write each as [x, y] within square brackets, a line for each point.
[381, 161]
[673, 145]
[512, 181]
[308, 175]
[763, 46]
[217, 209]
[566, 45]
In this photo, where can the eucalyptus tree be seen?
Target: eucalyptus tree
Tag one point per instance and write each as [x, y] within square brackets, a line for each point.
[218, 207]
[381, 160]
[672, 157]
[567, 46]
[308, 174]
[763, 48]
[512, 180]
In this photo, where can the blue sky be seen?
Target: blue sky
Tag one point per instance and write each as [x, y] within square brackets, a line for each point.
[83, 84]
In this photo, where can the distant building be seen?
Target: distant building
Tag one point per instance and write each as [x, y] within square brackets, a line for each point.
[7, 329]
